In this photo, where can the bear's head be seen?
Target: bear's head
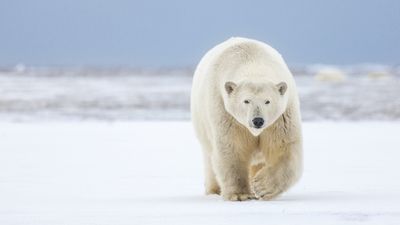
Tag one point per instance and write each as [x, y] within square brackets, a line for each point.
[255, 105]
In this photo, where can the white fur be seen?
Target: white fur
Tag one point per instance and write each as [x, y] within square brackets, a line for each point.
[241, 161]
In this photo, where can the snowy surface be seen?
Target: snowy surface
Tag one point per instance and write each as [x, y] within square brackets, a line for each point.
[151, 173]
[115, 95]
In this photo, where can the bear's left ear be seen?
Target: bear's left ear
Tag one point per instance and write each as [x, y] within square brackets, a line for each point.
[282, 87]
[229, 87]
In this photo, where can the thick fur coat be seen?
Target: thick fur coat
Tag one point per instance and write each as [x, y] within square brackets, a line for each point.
[245, 110]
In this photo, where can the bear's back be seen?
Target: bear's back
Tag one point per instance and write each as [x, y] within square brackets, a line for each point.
[237, 50]
[221, 63]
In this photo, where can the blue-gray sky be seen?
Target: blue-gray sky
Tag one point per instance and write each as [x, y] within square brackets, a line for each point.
[177, 33]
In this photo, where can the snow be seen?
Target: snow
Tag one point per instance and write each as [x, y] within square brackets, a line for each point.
[151, 173]
[35, 94]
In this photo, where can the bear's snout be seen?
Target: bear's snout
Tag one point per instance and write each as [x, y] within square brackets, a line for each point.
[258, 122]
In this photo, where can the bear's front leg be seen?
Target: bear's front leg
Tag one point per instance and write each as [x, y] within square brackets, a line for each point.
[231, 168]
[279, 173]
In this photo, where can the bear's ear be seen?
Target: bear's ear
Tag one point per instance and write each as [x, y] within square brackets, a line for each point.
[229, 87]
[282, 87]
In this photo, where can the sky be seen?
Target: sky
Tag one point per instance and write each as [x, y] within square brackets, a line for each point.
[177, 33]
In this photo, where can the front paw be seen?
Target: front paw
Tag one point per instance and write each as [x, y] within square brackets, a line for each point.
[237, 196]
[265, 189]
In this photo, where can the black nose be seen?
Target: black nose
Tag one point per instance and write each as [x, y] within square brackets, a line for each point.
[258, 122]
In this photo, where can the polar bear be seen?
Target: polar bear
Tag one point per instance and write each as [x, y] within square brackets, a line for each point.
[245, 111]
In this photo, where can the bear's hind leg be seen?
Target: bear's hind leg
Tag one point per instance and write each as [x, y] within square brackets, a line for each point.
[210, 183]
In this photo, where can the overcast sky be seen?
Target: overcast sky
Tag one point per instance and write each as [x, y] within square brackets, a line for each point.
[177, 33]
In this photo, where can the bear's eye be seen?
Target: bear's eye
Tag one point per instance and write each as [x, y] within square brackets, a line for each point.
[246, 101]
[267, 102]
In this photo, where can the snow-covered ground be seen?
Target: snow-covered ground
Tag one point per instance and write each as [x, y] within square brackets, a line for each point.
[151, 173]
[96, 146]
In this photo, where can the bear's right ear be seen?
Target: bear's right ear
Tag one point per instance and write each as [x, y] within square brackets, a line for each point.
[229, 87]
[282, 87]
